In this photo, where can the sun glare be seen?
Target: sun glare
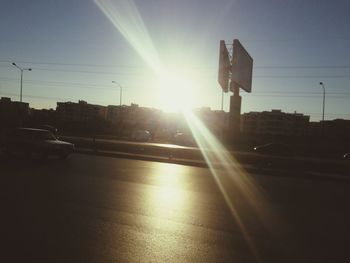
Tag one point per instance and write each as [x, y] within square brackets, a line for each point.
[176, 91]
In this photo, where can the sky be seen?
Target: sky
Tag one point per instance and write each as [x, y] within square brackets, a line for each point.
[165, 52]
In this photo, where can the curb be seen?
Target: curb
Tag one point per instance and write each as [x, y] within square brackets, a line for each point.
[203, 164]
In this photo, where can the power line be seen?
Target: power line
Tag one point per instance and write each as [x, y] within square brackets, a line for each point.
[56, 99]
[87, 72]
[64, 84]
[323, 38]
[301, 96]
[299, 92]
[329, 114]
[303, 76]
[140, 67]
[76, 64]
[103, 87]
[140, 75]
[304, 67]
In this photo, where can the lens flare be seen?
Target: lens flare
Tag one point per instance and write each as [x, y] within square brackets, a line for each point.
[125, 16]
[176, 91]
[241, 193]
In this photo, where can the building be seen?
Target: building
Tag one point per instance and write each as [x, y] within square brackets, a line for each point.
[13, 113]
[133, 116]
[338, 128]
[274, 122]
[215, 120]
[13, 107]
[80, 112]
[123, 114]
[43, 116]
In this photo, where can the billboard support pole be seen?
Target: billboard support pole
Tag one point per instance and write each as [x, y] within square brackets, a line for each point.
[222, 100]
[235, 113]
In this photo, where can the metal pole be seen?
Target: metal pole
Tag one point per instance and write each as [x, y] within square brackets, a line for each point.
[324, 102]
[222, 100]
[121, 94]
[21, 69]
[235, 113]
[20, 97]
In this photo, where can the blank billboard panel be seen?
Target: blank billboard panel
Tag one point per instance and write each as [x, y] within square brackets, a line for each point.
[224, 67]
[242, 67]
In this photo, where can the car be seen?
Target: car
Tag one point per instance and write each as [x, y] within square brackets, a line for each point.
[346, 156]
[141, 136]
[50, 128]
[36, 142]
[183, 139]
[277, 149]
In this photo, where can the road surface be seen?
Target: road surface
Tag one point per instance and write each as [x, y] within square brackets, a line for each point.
[101, 209]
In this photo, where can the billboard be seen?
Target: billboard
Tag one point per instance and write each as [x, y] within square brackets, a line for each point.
[242, 67]
[224, 67]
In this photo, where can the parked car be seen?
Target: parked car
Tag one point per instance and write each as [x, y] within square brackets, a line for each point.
[183, 139]
[277, 149]
[50, 128]
[36, 142]
[141, 136]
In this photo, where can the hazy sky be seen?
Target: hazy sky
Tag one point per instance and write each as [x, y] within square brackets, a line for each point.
[76, 49]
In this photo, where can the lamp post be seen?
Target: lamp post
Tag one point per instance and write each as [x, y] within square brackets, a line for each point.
[121, 92]
[21, 69]
[222, 100]
[324, 100]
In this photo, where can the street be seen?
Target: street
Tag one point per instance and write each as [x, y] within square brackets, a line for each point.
[102, 209]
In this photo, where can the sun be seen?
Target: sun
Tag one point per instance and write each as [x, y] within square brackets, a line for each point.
[176, 91]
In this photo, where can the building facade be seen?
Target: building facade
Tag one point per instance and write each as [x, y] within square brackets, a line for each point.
[13, 113]
[80, 112]
[133, 116]
[274, 122]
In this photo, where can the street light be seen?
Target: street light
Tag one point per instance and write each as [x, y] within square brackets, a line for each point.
[324, 100]
[121, 92]
[21, 69]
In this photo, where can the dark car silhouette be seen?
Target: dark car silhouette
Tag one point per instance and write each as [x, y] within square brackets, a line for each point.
[346, 156]
[278, 149]
[36, 142]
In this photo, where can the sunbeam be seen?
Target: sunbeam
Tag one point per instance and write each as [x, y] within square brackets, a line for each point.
[174, 89]
[125, 16]
[240, 192]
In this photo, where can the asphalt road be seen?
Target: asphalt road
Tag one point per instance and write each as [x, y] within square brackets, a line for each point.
[101, 209]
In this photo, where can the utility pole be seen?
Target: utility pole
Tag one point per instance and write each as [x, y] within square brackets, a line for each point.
[121, 92]
[323, 106]
[21, 69]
